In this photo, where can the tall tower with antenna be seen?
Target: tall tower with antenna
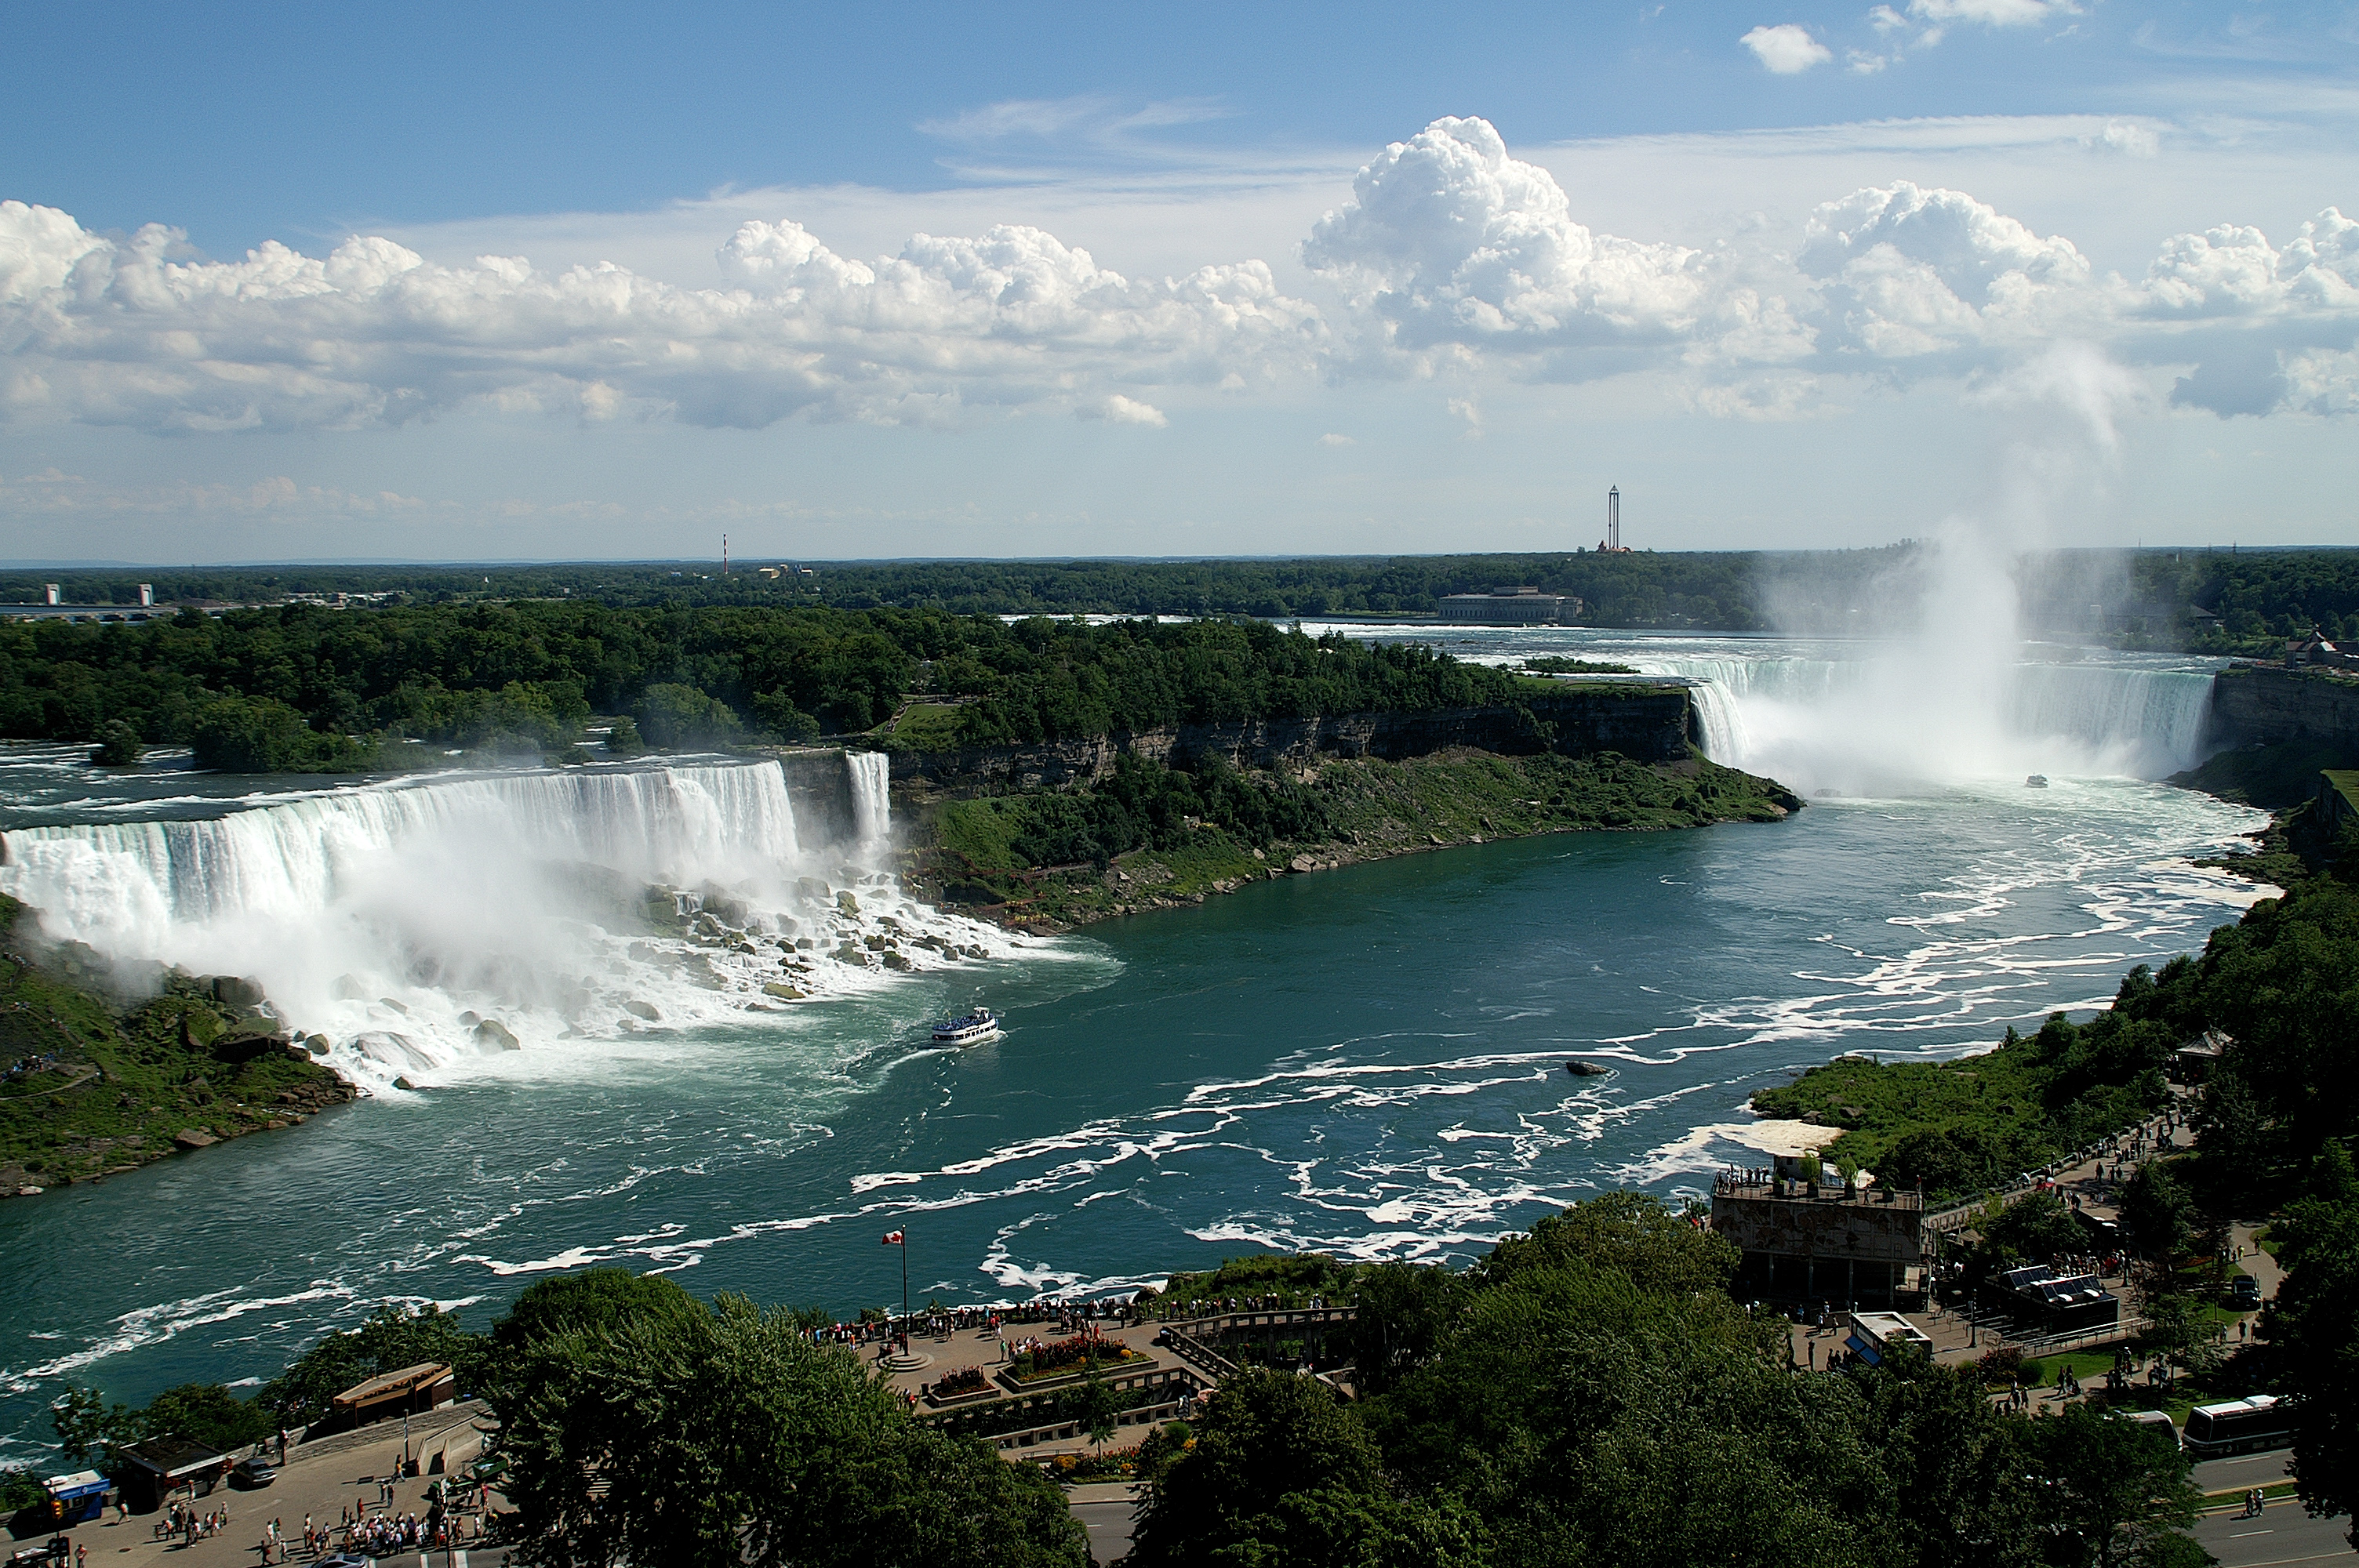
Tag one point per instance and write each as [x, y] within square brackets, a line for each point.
[724, 555]
[1614, 518]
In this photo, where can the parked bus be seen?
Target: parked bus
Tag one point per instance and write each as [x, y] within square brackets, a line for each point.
[2240, 1426]
[2158, 1423]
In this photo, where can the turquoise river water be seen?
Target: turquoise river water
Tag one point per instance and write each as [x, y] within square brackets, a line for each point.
[1369, 1061]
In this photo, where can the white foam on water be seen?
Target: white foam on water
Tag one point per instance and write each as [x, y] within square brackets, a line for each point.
[422, 926]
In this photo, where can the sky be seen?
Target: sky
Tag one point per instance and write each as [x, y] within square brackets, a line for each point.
[530, 282]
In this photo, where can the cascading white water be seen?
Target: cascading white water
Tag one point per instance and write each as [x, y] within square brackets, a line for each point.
[872, 794]
[422, 926]
[1870, 720]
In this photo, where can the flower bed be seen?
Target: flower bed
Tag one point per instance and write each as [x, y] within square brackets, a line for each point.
[967, 1382]
[1066, 1358]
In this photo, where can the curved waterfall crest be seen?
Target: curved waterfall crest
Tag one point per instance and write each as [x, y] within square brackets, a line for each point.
[1858, 720]
[421, 925]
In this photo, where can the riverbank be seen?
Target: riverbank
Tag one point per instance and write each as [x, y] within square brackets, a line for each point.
[94, 1086]
[971, 854]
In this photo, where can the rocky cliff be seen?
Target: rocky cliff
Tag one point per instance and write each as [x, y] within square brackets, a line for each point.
[1644, 723]
[2256, 705]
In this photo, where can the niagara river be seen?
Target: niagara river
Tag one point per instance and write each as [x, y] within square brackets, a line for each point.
[1369, 1062]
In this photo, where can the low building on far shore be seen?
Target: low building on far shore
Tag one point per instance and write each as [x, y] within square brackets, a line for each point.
[1804, 1238]
[1509, 607]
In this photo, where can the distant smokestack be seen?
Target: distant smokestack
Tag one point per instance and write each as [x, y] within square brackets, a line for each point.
[146, 595]
[724, 555]
[49, 590]
[1614, 518]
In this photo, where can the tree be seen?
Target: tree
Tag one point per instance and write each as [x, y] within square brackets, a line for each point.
[1633, 1233]
[1403, 1311]
[87, 1427]
[207, 1413]
[2156, 1212]
[1097, 1410]
[1281, 1475]
[2111, 1487]
[728, 1435]
[119, 746]
[2313, 1328]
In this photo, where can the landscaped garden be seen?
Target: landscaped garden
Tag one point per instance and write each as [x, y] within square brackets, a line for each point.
[1064, 1357]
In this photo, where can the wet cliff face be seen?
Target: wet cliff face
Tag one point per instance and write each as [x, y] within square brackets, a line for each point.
[2256, 707]
[1647, 725]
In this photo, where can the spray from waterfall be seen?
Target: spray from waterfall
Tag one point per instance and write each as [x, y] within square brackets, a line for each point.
[1948, 689]
[421, 928]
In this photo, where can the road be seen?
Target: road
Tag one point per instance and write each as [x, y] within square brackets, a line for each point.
[2281, 1536]
[1105, 1512]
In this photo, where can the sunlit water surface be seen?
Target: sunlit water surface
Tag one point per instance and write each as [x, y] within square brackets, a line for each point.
[1369, 1062]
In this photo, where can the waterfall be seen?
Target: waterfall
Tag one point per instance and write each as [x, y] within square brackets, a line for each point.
[872, 796]
[1874, 719]
[418, 924]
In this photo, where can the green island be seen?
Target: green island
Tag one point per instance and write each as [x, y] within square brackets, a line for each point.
[96, 1084]
[1153, 836]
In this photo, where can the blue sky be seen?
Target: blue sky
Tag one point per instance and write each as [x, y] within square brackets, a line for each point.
[1227, 280]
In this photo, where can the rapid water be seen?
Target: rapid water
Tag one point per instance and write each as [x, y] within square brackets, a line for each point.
[423, 924]
[1369, 1061]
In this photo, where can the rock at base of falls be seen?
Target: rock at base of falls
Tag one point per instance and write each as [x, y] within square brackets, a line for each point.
[783, 991]
[645, 1010]
[493, 1035]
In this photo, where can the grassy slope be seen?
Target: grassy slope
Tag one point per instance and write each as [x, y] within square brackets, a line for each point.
[127, 1080]
[1379, 808]
[1875, 1104]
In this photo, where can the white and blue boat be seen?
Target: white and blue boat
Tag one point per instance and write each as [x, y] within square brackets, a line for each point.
[980, 1024]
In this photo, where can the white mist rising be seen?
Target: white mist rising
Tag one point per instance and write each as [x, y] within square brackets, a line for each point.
[1947, 691]
[429, 928]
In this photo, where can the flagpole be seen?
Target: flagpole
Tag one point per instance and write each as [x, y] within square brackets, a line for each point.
[905, 1280]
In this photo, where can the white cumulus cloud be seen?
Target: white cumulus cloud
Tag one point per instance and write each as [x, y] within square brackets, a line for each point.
[1786, 49]
[1448, 241]
[137, 334]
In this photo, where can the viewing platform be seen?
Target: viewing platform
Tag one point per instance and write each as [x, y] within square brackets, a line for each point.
[1802, 1238]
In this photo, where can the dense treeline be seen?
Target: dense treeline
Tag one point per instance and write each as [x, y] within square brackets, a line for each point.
[302, 687]
[2259, 595]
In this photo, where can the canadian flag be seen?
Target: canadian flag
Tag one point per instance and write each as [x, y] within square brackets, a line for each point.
[893, 1239]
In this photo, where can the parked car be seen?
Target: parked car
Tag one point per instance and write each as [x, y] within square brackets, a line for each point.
[252, 1474]
[342, 1560]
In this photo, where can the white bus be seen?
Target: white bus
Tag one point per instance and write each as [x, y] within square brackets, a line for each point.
[2239, 1426]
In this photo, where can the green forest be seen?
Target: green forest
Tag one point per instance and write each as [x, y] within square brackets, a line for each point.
[304, 688]
[2257, 596]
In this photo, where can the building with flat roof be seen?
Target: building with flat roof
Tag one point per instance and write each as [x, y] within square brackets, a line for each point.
[1801, 1237]
[1507, 607]
[2059, 1303]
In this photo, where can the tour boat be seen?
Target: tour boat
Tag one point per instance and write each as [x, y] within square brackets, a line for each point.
[977, 1025]
[2036, 781]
